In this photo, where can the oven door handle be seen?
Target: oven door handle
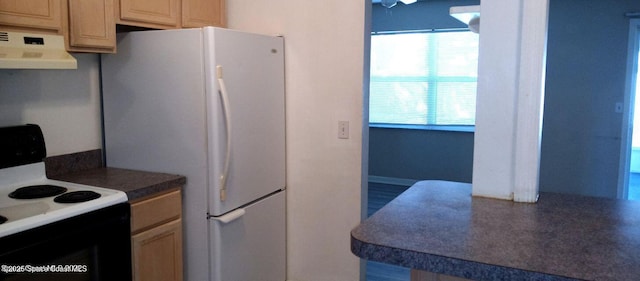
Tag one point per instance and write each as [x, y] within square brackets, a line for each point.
[230, 216]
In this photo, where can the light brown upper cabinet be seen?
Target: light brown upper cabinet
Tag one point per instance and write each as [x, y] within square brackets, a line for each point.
[160, 14]
[164, 14]
[44, 15]
[87, 25]
[92, 26]
[198, 13]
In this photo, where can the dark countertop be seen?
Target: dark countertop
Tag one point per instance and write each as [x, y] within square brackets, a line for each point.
[437, 226]
[136, 184]
[86, 167]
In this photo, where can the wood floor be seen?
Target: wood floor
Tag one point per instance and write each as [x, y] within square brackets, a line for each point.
[379, 195]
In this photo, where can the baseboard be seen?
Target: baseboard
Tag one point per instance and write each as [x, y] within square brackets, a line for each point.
[392, 181]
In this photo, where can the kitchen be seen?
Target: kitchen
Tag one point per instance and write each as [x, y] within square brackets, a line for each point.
[66, 105]
[324, 44]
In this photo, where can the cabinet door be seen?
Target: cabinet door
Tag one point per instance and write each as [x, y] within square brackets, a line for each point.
[152, 12]
[92, 24]
[198, 13]
[157, 253]
[39, 14]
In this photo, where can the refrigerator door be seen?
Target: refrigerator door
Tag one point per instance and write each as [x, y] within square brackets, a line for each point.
[251, 245]
[246, 122]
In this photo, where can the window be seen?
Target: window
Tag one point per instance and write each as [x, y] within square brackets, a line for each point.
[426, 78]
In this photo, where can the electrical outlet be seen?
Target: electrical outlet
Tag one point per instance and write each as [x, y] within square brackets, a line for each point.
[343, 129]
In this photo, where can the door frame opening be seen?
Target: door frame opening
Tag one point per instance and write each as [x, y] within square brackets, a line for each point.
[629, 107]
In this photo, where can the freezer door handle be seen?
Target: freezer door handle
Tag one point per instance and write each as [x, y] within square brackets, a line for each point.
[230, 216]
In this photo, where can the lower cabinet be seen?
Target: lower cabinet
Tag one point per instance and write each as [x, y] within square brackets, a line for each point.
[156, 240]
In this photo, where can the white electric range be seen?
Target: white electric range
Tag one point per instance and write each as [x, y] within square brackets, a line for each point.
[29, 199]
[62, 230]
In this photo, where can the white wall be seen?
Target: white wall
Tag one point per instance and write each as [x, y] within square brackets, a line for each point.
[324, 53]
[65, 103]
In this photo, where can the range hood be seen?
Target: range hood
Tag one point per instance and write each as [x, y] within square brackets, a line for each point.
[34, 51]
[470, 15]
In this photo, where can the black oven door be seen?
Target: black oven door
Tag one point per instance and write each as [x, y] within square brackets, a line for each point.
[95, 246]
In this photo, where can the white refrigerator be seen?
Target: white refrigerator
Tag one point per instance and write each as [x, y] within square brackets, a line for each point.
[207, 103]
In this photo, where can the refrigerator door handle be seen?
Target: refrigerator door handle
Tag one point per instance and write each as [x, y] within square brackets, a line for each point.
[227, 117]
[230, 216]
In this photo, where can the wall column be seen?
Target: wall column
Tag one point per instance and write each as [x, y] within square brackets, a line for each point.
[510, 99]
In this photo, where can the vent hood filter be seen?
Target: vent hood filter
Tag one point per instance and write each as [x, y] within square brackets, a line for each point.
[34, 51]
[470, 15]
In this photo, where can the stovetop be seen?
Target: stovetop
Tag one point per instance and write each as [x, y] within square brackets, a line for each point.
[23, 214]
[22, 151]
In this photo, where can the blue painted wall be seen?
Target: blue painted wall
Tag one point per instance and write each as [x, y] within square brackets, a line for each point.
[586, 68]
[420, 154]
[586, 64]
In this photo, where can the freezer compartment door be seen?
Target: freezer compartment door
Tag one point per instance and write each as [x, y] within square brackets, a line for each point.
[249, 243]
[246, 121]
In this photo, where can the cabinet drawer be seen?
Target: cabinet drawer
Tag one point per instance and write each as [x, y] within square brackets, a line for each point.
[156, 210]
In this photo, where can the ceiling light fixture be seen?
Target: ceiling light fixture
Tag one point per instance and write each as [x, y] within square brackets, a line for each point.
[391, 3]
[470, 15]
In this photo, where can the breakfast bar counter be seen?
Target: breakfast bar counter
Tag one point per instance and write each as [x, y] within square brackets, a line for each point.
[437, 226]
